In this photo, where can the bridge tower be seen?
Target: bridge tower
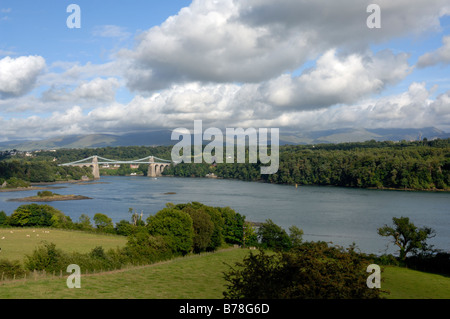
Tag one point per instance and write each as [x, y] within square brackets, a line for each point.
[151, 167]
[95, 168]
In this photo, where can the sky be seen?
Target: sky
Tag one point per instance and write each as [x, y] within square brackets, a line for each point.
[296, 65]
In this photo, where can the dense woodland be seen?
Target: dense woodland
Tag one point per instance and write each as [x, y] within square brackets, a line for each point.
[419, 165]
[406, 165]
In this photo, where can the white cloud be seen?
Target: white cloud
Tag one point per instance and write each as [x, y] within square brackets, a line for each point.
[98, 89]
[18, 75]
[252, 41]
[236, 63]
[221, 106]
[441, 55]
[337, 80]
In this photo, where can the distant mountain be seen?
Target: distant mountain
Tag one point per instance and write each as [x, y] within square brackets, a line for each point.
[163, 137]
[152, 138]
[361, 135]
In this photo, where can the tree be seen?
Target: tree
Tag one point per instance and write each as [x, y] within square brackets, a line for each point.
[35, 215]
[136, 219]
[84, 222]
[249, 235]
[203, 228]
[216, 238]
[408, 237]
[3, 218]
[273, 236]
[233, 227]
[296, 236]
[175, 226]
[103, 222]
[124, 228]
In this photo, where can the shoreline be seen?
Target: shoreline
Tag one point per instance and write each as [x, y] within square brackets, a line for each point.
[316, 185]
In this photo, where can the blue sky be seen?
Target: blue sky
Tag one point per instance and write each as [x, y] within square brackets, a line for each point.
[296, 65]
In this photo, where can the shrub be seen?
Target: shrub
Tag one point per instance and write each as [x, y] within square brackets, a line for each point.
[9, 269]
[436, 263]
[39, 215]
[14, 182]
[48, 258]
[311, 271]
[46, 194]
[143, 247]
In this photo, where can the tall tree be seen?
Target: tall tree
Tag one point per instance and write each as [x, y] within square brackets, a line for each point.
[175, 226]
[408, 237]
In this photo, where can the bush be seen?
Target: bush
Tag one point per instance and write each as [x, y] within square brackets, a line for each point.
[14, 182]
[143, 247]
[39, 215]
[9, 269]
[436, 263]
[46, 194]
[48, 258]
[311, 271]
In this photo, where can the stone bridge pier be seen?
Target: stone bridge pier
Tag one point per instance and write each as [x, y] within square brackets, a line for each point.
[155, 169]
[94, 165]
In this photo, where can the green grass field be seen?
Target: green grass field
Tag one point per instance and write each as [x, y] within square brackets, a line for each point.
[192, 277]
[411, 284]
[15, 243]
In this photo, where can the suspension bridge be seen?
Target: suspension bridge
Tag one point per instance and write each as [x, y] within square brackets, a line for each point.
[155, 168]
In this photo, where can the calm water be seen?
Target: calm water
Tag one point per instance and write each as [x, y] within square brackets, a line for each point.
[338, 215]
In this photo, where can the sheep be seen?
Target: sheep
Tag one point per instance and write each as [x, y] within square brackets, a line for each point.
[3, 237]
[28, 235]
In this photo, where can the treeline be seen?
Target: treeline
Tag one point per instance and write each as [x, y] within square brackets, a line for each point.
[419, 165]
[412, 165]
[39, 171]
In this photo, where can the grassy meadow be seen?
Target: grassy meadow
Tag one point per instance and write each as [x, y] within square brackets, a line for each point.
[15, 243]
[191, 277]
[411, 284]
